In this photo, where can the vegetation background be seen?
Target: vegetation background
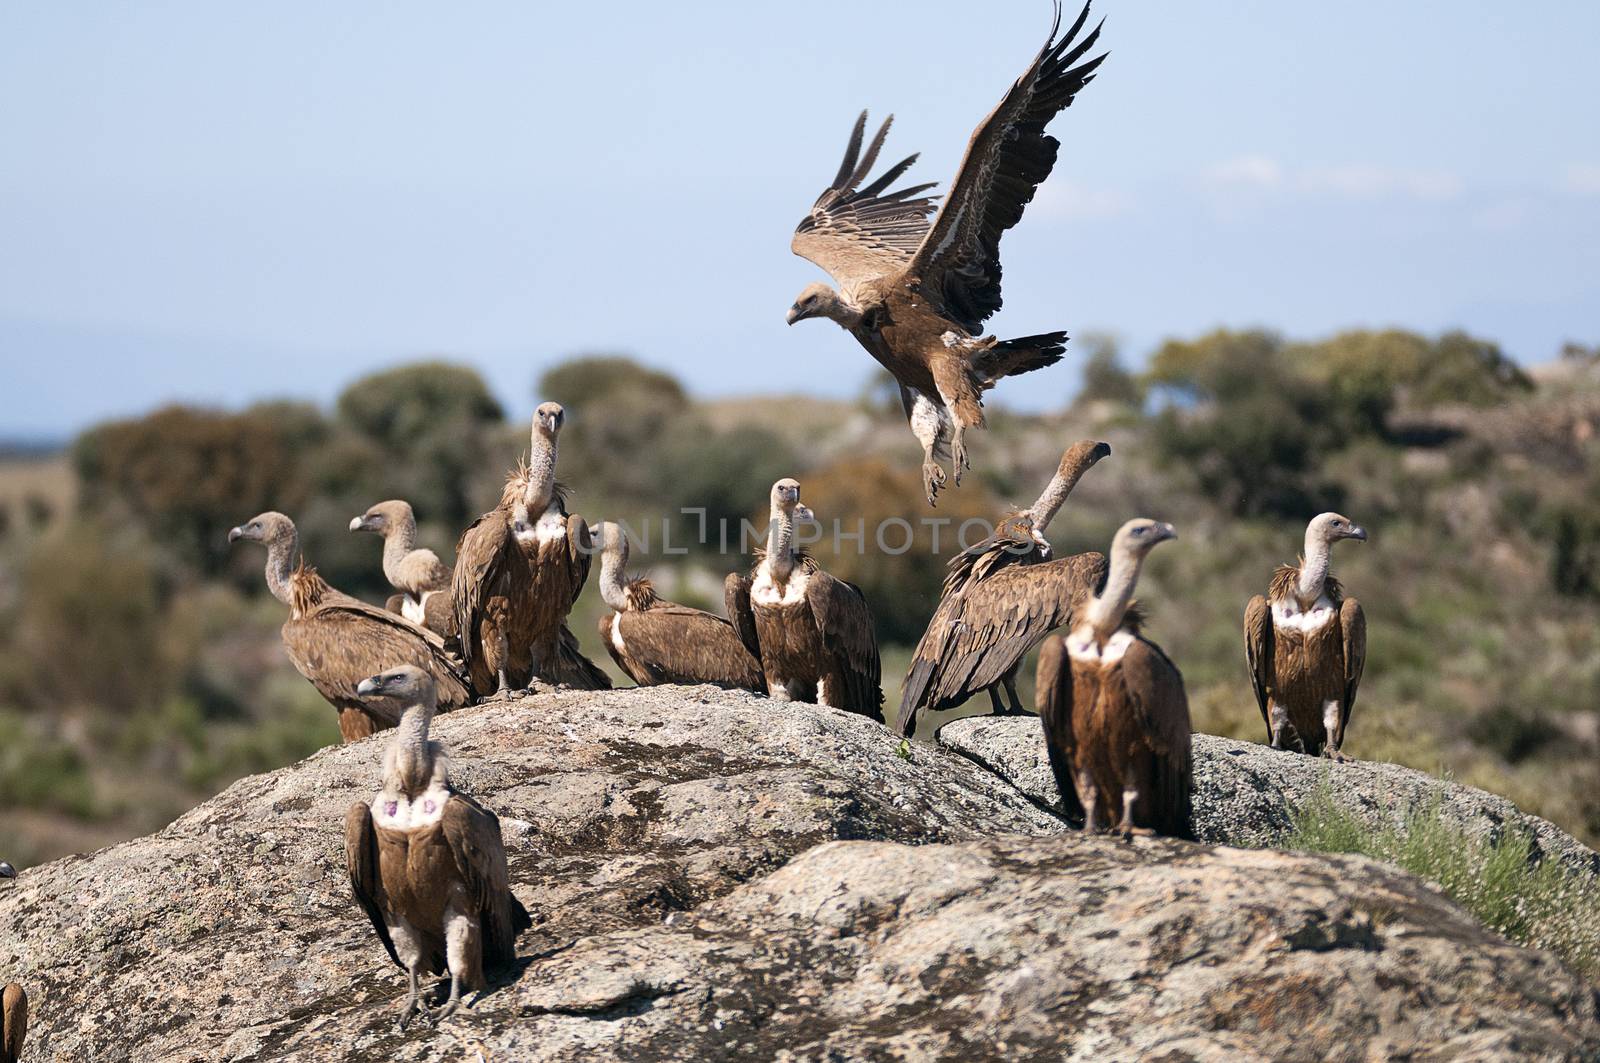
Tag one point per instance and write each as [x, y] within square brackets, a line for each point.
[140, 669]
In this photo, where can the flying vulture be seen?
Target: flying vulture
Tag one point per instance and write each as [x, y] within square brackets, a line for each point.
[916, 293]
[13, 1022]
[812, 633]
[428, 864]
[1113, 710]
[1306, 645]
[656, 641]
[336, 641]
[1001, 598]
[421, 578]
[519, 568]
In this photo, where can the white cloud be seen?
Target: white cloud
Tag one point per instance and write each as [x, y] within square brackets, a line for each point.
[1584, 179]
[1506, 216]
[1380, 182]
[1075, 202]
[1253, 170]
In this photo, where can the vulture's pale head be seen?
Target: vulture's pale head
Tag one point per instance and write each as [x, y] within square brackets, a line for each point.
[786, 495]
[610, 539]
[268, 528]
[548, 419]
[407, 683]
[1082, 456]
[815, 300]
[384, 517]
[1140, 535]
[1331, 527]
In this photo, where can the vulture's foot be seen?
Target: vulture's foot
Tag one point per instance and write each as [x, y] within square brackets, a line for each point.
[414, 1005]
[958, 457]
[504, 682]
[1337, 756]
[933, 479]
[1130, 832]
[1287, 739]
[453, 1002]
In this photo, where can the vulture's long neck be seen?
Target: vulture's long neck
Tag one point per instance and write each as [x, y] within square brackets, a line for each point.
[1313, 567]
[400, 541]
[613, 577]
[1055, 494]
[541, 474]
[410, 767]
[281, 552]
[1107, 609]
[780, 545]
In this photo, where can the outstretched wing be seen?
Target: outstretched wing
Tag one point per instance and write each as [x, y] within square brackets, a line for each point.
[845, 622]
[736, 599]
[858, 233]
[1007, 158]
[361, 860]
[1258, 650]
[1353, 622]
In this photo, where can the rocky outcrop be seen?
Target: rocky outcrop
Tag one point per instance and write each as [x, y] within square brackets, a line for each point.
[1245, 794]
[713, 875]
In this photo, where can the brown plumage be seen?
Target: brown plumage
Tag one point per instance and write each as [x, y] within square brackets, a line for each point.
[519, 568]
[1113, 709]
[1306, 646]
[336, 641]
[915, 294]
[421, 578]
[1001, 598]
[655, 641]
[426, 863]
[13, 1022]
[812, 633]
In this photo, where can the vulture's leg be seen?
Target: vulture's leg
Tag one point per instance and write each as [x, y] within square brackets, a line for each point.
[1089, 798]
[1010, 681]
[502, 643]
[995, 702]
[409, 949]
[958, 452]
[462, 954]
[1284, 736]
[926, 425]
[1330, 723]
[1130, 798]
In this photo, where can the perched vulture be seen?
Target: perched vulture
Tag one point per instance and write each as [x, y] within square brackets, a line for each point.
[336, 641]
[1306, 645]
[656, 641]
[519, 568]
[427, 863]
[915, 294]
[1113, 710]
[812, 633]
[13, 1022]
[1001, 598]
[421, 578]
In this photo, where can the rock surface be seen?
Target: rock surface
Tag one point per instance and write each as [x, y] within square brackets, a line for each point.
[1245, 793]
[713, 876]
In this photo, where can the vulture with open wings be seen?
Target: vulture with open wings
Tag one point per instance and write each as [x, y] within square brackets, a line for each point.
[916, 293]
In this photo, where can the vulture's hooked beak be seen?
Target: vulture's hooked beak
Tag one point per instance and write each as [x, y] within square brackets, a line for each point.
[1358, 533]
[362, 524]
[235, 534]
[369, 686]
[1166, 532]
[1102, 450]
[794, 314]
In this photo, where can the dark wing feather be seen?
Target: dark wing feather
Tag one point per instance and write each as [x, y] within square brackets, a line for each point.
[1053, 693]
[1353, 623]
[1156, 697]
[343, 641]
[845, 621]
[676, 644]
[979, 635]
[473, 834]
[1258, 650]
[736, 600]
[480, 557]
[1007, 158]
[858, 233]
[571, 668]
[580, 548]
[361, 860]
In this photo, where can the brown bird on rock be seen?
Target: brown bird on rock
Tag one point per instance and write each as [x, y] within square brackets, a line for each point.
[519, 568]
[1306, 646]
[427, 863]
[13, 1022]
[812, 633]
[656, 641]
[1113, 710]
[421, 578]
[1001, 598]
[336, 641]
[915, 294]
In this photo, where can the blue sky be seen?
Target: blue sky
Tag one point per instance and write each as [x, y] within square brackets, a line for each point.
[222, 202]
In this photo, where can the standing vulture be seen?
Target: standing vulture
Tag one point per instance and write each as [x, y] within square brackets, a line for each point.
[519, 568]
[812, 633]
[1001, 598]
[1306, 645]
[427, 863]
[656, 641]
[1113, 710]
[421, 578]
[915, 294]
[13, 1022]
[336, 641]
